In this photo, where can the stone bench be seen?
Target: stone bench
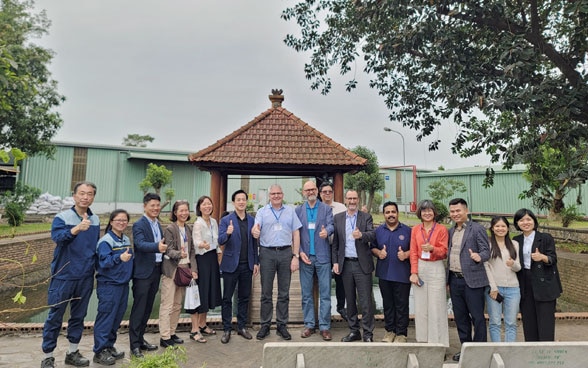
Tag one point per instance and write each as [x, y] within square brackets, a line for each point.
[356, 354]
[573, 354]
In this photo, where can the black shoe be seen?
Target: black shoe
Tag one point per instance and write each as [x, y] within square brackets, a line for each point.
[104, 358]
[263, 332]
[48, 363]
[115, 353]
[283, 332]
[76, 359]
[353, 336]
[457, 356]
[243, 332]
[136, 352]
[176, 339]
[226, 337]
[147, 346]
[343, 313]
[368, 339]
[166, 343]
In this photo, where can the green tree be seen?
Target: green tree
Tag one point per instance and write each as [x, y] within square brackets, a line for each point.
[552, 173]
[157, 177]
[367, 181]
[508, 74]
[444, 189]
[137, 140]
[28, 95]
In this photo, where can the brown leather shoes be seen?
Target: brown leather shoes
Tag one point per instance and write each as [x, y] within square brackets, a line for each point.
[306, 332]
[326, 334]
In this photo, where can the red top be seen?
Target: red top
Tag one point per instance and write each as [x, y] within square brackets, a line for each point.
[437, 237]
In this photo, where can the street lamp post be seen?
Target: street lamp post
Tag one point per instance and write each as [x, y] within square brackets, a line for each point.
[403, 192]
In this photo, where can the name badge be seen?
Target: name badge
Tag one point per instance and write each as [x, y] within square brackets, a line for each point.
[311, 226]
[425, 255]
[277, 227]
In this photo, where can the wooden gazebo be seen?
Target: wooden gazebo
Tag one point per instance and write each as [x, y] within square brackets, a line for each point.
[276, 142]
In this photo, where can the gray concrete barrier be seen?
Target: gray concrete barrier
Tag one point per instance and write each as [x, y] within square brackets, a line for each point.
[358, 354]
[524, 354]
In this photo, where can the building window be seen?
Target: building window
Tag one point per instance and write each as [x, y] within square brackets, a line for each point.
[78, 171]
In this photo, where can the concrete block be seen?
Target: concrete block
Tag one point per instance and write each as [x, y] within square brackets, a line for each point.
[524, 354]
[356, 354]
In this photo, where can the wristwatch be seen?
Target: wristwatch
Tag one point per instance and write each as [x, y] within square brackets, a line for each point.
[296, 255]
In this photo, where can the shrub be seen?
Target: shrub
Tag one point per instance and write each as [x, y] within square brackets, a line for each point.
[14, 214]
[569, 215]
[170, 358]
[442, 211]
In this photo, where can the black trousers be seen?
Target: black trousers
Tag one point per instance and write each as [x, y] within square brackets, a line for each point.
[538, 317]
[358, 283]
[144, 291]
[395, 299]
[468, 309]
[241, 279]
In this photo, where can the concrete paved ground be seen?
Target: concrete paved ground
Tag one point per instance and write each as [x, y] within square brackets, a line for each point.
[18, 349]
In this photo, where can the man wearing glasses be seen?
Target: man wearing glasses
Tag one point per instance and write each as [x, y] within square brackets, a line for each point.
[277, 228]
[315, 257]
[326, 195]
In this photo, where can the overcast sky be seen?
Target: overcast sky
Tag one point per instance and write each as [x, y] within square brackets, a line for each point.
[190, 72]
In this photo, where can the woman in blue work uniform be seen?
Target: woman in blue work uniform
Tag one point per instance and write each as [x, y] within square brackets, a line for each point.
[113, 273]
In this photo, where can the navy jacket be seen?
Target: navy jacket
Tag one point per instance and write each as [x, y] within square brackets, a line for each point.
[145, 248]
[232, 243]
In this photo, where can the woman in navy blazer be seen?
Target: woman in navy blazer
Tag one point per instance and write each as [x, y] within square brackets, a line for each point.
[538, 278]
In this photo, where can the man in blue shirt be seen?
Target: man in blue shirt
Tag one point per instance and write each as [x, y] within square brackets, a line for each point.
[392, 248]
[277, 228]
[315, 256]
[75, 233]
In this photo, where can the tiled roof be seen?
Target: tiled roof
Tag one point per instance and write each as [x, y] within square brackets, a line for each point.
[277, 137]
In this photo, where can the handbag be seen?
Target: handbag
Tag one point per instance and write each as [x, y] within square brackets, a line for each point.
[192, 298]
[183, 276]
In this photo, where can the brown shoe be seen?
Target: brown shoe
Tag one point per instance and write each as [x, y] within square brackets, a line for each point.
[326, 334]
[306, 332]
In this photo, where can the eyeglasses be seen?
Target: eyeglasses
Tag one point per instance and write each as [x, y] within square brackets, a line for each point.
[120, 221]
[310, 190]
[327, 192]
[276, 193]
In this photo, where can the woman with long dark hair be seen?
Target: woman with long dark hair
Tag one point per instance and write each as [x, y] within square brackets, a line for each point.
[538, 278]
[503, 294]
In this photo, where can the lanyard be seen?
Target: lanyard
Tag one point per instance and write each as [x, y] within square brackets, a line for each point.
[352, 221]
[430, 233]
[183, 234]
[312, 212]
[274, 212]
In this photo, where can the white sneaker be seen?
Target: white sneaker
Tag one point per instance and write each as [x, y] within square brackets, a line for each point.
[400, 339]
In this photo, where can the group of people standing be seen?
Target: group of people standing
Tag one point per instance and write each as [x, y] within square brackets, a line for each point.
[323, 239]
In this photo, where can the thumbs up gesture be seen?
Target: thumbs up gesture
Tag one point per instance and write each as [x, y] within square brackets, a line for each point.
[356, 233]
[401, 254]
[383, 254]
[474, 256]
[85, 224]
[537, 256]
[126, 256]
[256, 231]
[162, 246]
[323, 234]
[230, 228]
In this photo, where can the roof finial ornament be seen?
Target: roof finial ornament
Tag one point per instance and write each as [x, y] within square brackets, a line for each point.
[276, 98]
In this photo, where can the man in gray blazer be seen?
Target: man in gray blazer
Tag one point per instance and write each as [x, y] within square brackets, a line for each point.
[467, 252]
[352, 258]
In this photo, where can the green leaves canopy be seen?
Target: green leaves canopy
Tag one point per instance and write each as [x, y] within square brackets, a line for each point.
[28, 95]
[523, 64]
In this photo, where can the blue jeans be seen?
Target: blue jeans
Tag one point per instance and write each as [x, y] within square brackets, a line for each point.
[509, 307]
[323, 273]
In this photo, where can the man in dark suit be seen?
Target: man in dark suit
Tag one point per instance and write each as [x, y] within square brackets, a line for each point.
[467, 252]
[352, 258]
[240, 261]
[315, 259]
[149, 246]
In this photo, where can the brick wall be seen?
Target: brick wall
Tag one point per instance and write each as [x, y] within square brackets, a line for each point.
[574, 276]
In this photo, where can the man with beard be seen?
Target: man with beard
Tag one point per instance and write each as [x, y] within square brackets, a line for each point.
[392, 248]
[315, 256]
[352, 258]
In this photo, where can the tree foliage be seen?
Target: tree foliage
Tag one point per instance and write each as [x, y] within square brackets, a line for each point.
[157, 177]
[28, 95]
[443, 189]
[137, 140]
[509, 74]
[18, 201]
[367, 181]
[553, 173]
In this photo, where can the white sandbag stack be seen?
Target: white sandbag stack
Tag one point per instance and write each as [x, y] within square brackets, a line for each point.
[48, 204]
